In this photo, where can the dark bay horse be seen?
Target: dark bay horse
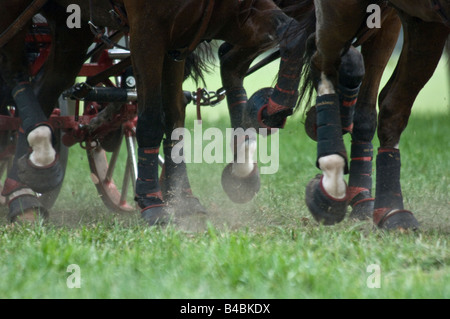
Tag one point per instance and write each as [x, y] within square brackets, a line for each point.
[426, 28]
[358, 92]
[159, 39]
[345, 104]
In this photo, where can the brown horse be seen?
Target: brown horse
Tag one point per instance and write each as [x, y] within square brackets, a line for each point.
[358, 92]
[426, 28]
[158, 35]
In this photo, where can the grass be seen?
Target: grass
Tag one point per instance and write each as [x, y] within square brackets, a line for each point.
[269, 248]
[137, 262]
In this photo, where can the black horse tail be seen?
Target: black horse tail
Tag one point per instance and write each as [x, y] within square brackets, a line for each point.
[199, 63]
[308, 84]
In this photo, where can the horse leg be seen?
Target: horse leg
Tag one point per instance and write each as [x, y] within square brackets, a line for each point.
[365, 117]
[148, 53]
[175, 185]
[240, 179]
[57, 75]
[422, 50]
[265, 109]
[13, 69]
[326, 195]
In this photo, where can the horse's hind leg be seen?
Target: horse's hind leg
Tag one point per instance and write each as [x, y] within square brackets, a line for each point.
[175, 185]
[422, 50]
[365, 116]
[326, 196]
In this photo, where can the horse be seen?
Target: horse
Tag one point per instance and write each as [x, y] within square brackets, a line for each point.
[361, 77]
[426, 29]
[56, 76]
[160, 39]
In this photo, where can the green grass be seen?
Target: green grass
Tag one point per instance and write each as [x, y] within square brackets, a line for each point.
[269, 248]
[279, 262]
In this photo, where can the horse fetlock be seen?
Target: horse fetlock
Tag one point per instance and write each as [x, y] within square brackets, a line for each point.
[333, 175]
[40, 140]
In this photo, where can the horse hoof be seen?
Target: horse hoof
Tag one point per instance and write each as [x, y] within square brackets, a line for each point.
[40, 179]
[156, 215]
[256, 112]
[240, 190]
[398, 220]
[325, 209]
[26, 208]
[363, 210]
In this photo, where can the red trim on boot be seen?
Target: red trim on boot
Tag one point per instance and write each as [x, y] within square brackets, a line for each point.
[11, 186]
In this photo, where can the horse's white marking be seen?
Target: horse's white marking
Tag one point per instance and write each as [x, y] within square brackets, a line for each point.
[325, 86]
[332, 167]
[43, 153]
[244, 168]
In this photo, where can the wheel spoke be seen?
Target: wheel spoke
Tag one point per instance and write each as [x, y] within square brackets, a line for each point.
[112, 163]
[125, 183]
[131, 160]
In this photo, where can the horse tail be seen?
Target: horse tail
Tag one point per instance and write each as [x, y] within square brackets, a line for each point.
[199, 63]
[307, 86]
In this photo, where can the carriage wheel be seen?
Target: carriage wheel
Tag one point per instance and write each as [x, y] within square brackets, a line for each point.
[109, 168]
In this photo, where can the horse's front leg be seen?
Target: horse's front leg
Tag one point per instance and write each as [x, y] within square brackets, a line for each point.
[36, 163]
[326, 195]
[421, 53]
[39, 167]
[240, 179]
[365, 117]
